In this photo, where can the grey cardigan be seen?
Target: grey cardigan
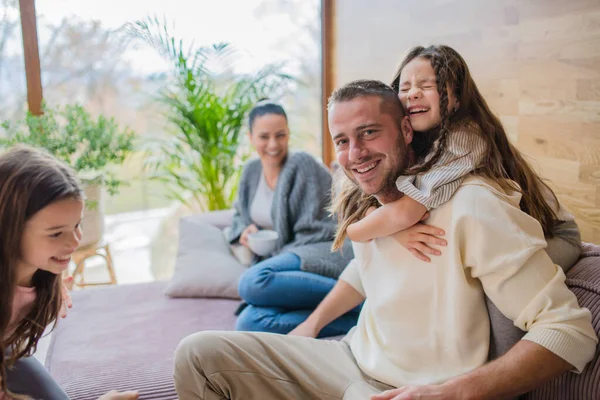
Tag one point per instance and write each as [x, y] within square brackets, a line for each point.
[299, 213]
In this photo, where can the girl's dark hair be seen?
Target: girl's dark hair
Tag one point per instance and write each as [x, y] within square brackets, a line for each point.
[264, 107]
[30, 180]
[502, 162]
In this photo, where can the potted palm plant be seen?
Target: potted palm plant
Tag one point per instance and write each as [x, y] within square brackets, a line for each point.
[206, 102]
[91, 146]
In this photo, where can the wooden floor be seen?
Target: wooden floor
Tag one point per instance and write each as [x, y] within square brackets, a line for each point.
[537, 63]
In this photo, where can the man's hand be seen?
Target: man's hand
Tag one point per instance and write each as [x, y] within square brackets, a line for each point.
[66, 296]
[305, 329]
[244, 236]
[430, 392]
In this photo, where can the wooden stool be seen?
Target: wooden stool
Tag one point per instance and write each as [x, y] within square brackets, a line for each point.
[101, 249]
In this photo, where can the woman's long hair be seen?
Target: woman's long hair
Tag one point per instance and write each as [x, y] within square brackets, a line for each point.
[502, 162]
[30, 180]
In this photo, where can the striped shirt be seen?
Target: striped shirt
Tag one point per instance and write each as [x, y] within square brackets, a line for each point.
[465, 149]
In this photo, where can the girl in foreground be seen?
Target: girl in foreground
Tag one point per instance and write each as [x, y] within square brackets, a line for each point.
[41, 205]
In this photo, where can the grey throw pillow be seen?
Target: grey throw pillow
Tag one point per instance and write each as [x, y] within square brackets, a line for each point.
[205, 266]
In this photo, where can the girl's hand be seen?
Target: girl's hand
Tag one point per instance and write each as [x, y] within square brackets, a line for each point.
[419, 238]
[244, 236]
[66, 296]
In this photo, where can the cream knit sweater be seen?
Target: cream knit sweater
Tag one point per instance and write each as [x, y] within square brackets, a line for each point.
[425, 323]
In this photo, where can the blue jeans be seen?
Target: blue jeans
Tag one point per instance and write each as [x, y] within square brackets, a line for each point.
[281, 296]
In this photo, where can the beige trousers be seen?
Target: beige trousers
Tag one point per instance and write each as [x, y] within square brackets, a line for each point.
[264, 366]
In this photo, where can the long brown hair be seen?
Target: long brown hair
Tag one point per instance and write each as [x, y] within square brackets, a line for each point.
[502, 162]
[30, 180]
[350, 205]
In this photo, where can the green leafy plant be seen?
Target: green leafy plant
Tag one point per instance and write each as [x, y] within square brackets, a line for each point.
[89, 146]
[206, 103]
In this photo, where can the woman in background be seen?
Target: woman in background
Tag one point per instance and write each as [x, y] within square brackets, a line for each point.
[290, 194]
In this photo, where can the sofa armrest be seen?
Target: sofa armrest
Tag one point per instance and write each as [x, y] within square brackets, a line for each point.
[219, 219]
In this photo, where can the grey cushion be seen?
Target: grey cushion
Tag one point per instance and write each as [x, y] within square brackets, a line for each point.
[205, 266]
[220, 218]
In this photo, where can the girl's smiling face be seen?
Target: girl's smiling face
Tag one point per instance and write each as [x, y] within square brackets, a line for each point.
[50, 237]
[419, 96]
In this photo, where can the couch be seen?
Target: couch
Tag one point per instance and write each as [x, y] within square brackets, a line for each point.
[123, 337]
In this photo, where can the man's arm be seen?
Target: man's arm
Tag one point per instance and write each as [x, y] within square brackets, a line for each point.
[525, 367]
[504, 248]
[342, 298]
[506, 253]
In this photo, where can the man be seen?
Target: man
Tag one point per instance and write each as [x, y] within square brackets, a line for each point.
[423, 332]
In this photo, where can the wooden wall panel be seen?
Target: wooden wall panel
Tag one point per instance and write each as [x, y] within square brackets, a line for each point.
[537, 63]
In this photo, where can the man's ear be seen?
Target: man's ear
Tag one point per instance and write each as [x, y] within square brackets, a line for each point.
[407, 130]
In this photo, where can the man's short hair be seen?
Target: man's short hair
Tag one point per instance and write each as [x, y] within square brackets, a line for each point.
[390, 103]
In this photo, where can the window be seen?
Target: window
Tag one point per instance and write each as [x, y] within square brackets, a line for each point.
[13, 87]
[88, 58]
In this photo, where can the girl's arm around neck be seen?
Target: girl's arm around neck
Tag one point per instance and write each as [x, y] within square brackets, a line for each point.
[386, 220]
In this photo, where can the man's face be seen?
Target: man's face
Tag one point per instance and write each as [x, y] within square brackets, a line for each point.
[370, 146]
